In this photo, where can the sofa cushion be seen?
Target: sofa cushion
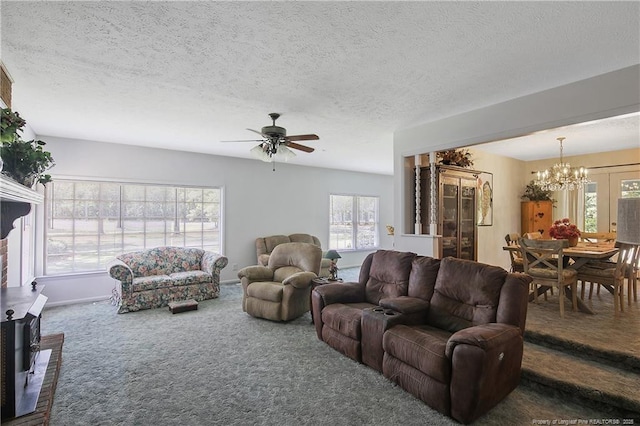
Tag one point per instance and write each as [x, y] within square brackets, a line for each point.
[190, 277]
[422, 279]
[266, 290]
[304, 238]
[345, 318]
[466, 294]
[389, 275]
[421, 347]
[152, 282]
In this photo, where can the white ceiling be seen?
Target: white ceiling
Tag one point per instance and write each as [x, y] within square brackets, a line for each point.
[186, 75]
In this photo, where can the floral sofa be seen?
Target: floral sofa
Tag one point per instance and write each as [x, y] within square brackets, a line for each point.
[154, 277]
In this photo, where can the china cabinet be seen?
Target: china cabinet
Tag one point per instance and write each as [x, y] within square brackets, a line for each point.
[456, 209]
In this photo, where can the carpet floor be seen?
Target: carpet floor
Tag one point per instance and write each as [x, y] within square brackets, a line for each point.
[219, 366]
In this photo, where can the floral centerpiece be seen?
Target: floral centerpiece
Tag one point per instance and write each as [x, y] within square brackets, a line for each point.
[563, 229]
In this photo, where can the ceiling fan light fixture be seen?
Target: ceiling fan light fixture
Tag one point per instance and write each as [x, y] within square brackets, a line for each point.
[260, 153]
[284, 153]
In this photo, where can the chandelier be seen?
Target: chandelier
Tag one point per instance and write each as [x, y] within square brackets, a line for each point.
[562, 176]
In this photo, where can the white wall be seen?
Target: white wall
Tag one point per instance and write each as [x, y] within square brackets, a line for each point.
[602, 96]
[257, 201]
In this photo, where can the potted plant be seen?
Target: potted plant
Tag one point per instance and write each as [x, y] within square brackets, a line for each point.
[533, 192]
[23, 161]
[454, 157]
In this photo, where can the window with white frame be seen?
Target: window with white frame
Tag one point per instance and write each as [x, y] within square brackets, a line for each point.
[353, 222]
[91, 222]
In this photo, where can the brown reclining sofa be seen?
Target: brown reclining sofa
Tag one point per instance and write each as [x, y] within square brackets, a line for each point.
[448, 331]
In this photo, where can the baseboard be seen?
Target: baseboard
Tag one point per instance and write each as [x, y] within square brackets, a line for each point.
[76, 301]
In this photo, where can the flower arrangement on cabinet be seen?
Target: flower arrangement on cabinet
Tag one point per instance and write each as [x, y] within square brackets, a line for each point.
[23, 161]
[456, 157]
[563, 229]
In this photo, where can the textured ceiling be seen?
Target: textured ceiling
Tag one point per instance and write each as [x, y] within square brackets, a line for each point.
[186, 75]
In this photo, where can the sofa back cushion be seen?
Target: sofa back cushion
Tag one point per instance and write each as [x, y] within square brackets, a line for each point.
[388, 275]
[162, 260]
[466, 293]
[422, 280]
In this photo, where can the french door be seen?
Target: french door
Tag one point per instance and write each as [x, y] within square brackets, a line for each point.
[601, 198]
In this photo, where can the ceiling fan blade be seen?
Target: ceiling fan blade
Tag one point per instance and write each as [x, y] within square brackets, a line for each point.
[302, 137]
[298, 146]
[260, 133]
[247, 140]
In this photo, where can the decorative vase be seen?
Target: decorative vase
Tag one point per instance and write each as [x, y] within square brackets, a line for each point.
[573, 241]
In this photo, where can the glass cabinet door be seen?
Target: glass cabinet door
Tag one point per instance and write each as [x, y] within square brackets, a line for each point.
[467, 219]
[450, 214]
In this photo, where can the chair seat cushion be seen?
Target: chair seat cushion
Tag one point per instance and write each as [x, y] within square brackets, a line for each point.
[421, 347]
[345, 318]
[190, 277]
[266, 290]
[152, 282]
[552, 273]
[598, 272]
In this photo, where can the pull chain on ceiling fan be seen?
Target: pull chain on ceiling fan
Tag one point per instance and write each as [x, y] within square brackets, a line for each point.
[276, 144]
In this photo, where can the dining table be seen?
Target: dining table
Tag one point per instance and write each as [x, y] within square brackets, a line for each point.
[574, 258]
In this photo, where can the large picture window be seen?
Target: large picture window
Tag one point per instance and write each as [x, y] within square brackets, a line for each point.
[353, 222]
[89, 222]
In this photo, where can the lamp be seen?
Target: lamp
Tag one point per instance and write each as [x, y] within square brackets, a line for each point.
[628, 225]
[333, 268]
[562, 176]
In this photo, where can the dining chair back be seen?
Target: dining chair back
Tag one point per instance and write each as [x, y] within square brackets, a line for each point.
[542, 261]
[533, 235]
[598, 237]
[515, 256]
[614, 274]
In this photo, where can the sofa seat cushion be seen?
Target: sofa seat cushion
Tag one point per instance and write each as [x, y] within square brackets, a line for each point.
[152, 282]
[190, 277]
[422, 347]
[266, 290]
[345, 318]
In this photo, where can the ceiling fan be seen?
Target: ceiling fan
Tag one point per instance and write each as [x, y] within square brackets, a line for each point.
[275, 143]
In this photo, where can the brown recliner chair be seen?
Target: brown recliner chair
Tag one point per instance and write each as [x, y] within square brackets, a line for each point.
[281, 290]
[265, 245]
[338, 308]
[466, 356]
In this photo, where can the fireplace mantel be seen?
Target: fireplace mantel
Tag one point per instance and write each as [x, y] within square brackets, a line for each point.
[15, 202]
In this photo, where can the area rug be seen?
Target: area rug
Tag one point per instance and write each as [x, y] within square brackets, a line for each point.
[45, 400]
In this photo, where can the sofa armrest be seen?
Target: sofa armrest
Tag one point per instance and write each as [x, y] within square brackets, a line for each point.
[120, 271]
[341, 293]
[300, 279]
[256, 273]
[484, 336]
[405, 304]
[486, 362]
[212, 262]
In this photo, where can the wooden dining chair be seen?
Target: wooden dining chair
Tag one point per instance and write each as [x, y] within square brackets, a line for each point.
[515, 256]
[533, 235]
[598, 238]
[614, 274]
[540, 259]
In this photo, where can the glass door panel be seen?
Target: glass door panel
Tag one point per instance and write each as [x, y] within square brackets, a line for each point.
[450, 213]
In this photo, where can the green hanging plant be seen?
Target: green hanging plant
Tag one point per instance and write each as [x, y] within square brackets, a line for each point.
[23, 161]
